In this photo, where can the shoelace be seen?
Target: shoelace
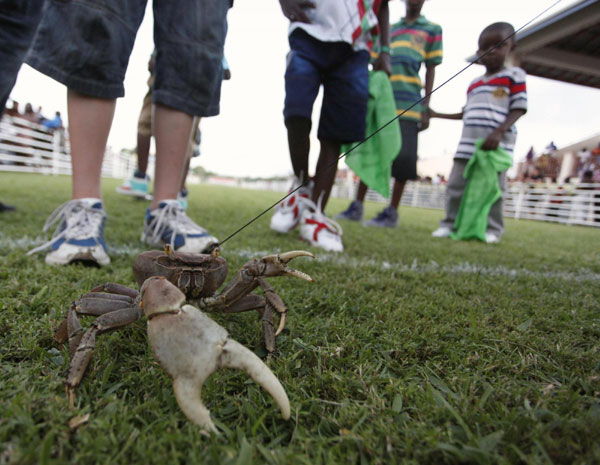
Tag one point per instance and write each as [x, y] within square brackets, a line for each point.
[173, 217]
[80, 220]
[301, 195]
[320, 217]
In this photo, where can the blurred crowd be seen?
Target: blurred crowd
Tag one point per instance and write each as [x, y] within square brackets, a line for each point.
[547, 166]
[34, 116]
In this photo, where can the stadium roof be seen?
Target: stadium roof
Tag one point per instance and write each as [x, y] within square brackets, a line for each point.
[564, 47]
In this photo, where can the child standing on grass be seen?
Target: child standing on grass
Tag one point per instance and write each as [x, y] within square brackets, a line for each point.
[329, 43]
[86, 46]
[495, 101]
[415, 41]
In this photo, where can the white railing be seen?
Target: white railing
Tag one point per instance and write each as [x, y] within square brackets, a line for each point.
[568, 203]
[31, 148]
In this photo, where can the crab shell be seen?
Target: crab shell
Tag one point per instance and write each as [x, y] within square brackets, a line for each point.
[197, 275]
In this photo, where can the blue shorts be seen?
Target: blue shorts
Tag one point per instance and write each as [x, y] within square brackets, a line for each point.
[344, 74]
[85, 45]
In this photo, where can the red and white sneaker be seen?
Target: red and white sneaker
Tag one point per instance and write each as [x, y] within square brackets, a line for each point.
[319, 230]
[287, 214]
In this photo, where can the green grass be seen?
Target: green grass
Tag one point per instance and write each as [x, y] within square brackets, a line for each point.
[405, 349]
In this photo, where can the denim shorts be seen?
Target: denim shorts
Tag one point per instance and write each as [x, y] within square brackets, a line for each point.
[18, 22]
[85, 44]
[344, 75]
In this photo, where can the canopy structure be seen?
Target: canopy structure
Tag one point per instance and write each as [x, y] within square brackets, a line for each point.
[564, 47]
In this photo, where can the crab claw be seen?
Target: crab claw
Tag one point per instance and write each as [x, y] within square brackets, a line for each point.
[276, 265]
[190, 347]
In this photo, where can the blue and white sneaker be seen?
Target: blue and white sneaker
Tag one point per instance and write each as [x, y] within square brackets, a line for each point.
[168, 224]
[136, 186]
[354, 212]
[79, 236]
[386, 218]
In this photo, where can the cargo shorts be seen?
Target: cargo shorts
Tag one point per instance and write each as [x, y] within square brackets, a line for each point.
[86, 44]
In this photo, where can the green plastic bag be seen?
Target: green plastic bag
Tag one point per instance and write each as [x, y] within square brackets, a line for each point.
[481, 191]
[372, 160]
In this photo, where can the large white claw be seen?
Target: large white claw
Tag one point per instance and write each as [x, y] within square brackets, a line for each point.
[190, 347]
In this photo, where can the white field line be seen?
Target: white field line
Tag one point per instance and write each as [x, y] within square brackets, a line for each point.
[582, 275]
[431, 266]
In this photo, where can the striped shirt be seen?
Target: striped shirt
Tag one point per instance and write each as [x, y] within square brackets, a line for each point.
[489, 100]
[411, 45]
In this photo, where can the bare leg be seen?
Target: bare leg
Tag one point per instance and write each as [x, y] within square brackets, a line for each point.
[188, 154]
[143, 152]
[362, 192]
[90, 119]
[397, 193]
[186, 170]
[298, 132]
[326, 169]
[172, 130]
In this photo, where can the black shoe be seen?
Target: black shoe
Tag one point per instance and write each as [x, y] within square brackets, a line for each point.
[6, 208]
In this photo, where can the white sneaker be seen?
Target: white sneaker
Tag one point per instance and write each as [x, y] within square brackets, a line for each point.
[79, 235]
[168, 224]
[319, 230]
[287, 214]
[442, 232]
[491, 238]
[136, 187]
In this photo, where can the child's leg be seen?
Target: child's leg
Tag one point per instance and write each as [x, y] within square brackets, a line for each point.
[361, 193]
[298, 134]
[172, 131]
[325, 172]
[89, 124]
[144, 133]
[404, 167]
[454, 192]
[496, 215]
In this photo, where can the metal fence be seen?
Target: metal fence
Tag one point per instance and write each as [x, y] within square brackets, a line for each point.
[566, 203]
[30, 147]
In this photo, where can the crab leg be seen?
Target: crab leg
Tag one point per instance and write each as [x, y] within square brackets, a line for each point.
[246, 279]
[83, 354]
[74, 330]
[92, 303]
[276, 265]
[276, 303]
[115, 288]
[268, 327]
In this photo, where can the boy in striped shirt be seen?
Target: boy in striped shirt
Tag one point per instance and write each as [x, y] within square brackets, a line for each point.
[495, 101]
[414, 41]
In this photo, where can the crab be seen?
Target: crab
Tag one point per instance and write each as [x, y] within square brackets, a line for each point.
[198, 276]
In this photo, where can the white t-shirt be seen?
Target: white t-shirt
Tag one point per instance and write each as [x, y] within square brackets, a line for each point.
[339, 21]
[584, 155]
